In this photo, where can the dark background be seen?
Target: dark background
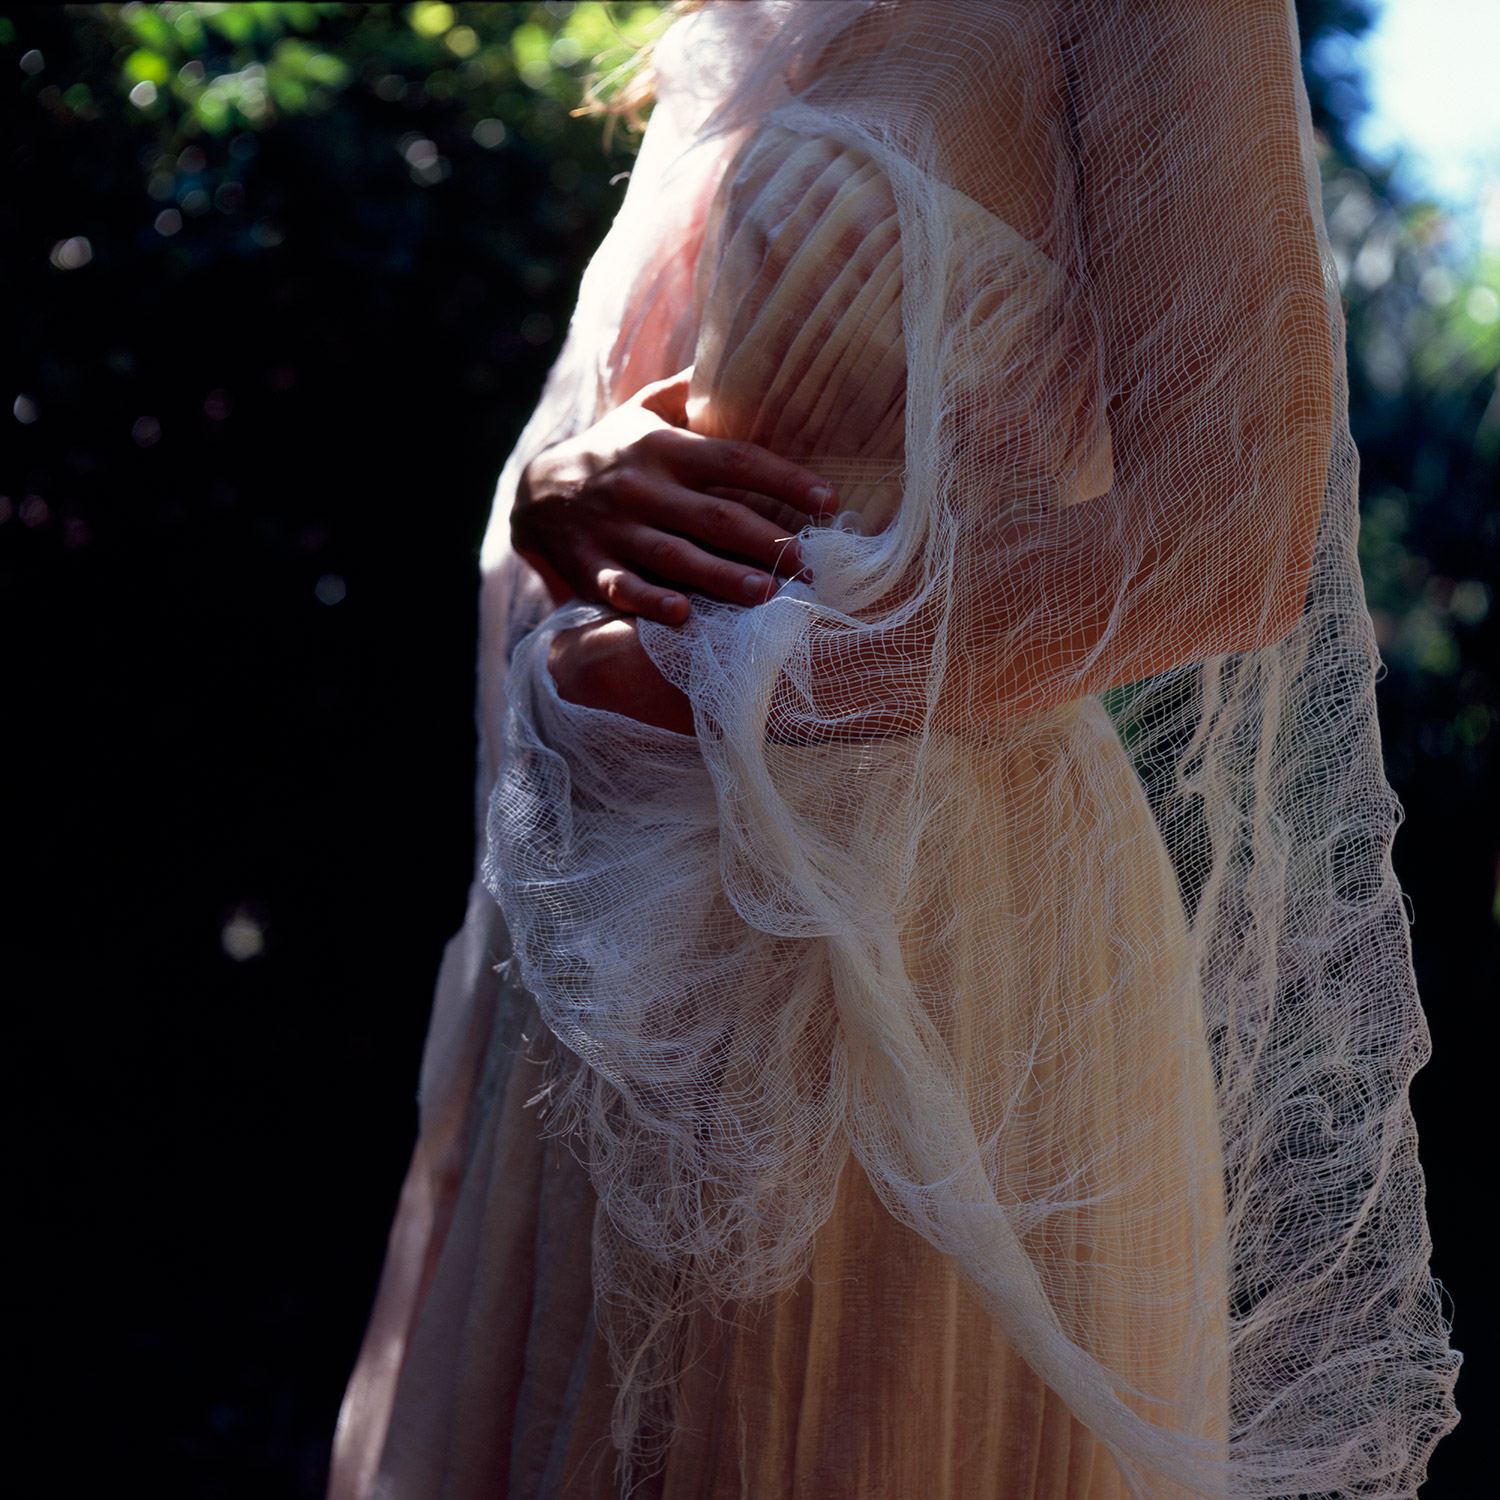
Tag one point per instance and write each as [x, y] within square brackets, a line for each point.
[257, 423]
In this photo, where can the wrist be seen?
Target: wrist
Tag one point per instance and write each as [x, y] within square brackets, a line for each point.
[603, 665]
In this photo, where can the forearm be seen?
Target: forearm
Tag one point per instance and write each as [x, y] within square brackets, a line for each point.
[1071, 605]
[603, 665]
[1051, 607]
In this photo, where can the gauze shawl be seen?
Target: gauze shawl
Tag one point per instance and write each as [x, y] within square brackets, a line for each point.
[1108, 511]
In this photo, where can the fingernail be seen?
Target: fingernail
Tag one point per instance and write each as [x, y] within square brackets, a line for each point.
[758, 587]
[821, 495]
[673, 602]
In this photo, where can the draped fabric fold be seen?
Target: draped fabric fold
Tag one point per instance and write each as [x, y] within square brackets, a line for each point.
[1025, 890]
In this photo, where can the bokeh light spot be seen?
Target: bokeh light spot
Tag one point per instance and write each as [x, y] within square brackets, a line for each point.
[490, 134]
[32, 62]
[418, 150]
[69, 254]
[34, 511]
[243, 937]
[330, 589]
[1483, 305]
[25, 409]
[1470, 602]
[1472, 724]
[536, 328]
[462, 41]
[146, 431]
[143, 95]
[427, 166]
[168, 221]
[430, 19]
[1435, 287]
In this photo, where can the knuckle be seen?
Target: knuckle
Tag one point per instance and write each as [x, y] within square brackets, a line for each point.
[719, 519]
[662, 553]
[630, 488]
[740, 461]
[655, 444]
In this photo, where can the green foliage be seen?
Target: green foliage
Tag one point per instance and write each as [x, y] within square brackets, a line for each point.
[1423, 329]
[439, 84]
[209, 69]
[359, 94]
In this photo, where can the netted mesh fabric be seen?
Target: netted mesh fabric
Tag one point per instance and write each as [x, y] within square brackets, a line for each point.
[1034, 847]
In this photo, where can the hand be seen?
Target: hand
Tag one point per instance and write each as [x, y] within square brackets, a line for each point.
[604, 665]
[638, 509]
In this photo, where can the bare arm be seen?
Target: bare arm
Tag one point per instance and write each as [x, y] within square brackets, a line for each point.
[1196, 250]
[1201, 270]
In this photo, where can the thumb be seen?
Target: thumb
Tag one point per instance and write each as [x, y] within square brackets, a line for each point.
[668, 398]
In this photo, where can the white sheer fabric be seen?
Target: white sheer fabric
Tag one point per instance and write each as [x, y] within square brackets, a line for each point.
[1034, 851]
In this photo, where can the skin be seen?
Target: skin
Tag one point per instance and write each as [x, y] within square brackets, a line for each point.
[638, 513]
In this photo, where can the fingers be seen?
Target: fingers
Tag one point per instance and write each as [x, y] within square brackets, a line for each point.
[725, 463]
[639, 511]
[721, 524]
[679, 540]
[787, 520]
[678, 560]
[649, 572]
[632, 566]
[632, 595]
